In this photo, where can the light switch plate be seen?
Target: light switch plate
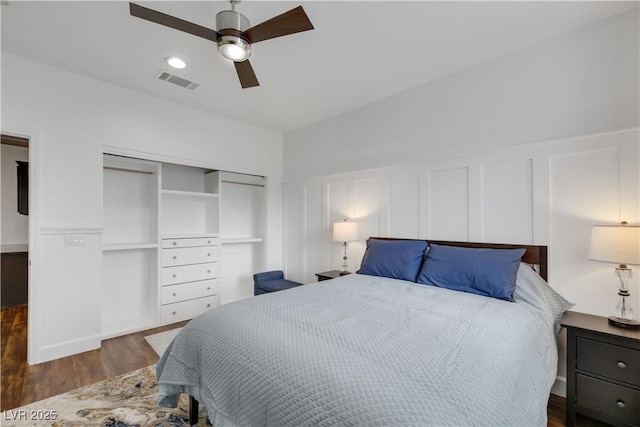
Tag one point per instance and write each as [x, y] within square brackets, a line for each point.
[75, 240]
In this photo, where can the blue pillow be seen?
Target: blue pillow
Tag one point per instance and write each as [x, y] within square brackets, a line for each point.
[488, 272]
[397, 259]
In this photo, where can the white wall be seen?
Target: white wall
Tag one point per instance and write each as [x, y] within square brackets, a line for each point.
[533, 148]
[583, 82]
[71, 120]
[15, 227]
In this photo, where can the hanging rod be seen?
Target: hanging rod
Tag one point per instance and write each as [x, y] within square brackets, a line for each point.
[241, 183]
[127, 170]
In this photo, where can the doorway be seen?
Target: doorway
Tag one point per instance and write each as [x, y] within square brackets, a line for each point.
[14, 231]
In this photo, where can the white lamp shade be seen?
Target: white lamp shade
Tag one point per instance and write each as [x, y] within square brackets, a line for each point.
[618, 244]
[345, 231]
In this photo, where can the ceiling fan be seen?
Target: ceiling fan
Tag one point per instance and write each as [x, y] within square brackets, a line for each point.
[234, 36]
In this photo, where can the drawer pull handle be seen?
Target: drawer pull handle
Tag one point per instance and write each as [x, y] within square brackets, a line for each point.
[208, 271]
[208, 288]
[174, 294]
[175, 243]
[174, 313]
[620, 404]
[208, 241]
[174, 257]
[208, 254]
[209, 305]
[174, 276]
[621, 364]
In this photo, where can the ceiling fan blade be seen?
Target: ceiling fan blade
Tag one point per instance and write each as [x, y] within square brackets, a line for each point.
[246, 75]
[291, 22]
[172, 22]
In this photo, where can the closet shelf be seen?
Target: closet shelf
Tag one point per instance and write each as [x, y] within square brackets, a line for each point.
[226, 240]
[188, 235]
[196, 194]
[128, 246]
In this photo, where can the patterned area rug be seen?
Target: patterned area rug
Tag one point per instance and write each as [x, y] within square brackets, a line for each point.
[124, 401]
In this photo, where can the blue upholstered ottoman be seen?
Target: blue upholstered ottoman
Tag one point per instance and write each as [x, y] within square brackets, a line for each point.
[271, 281]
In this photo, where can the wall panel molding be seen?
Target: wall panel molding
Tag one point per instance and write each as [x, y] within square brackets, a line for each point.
[585, 190]
[371, 212]
[449, 204]
[506, 199]
[500, 196]
[294, 232]
[404, 205]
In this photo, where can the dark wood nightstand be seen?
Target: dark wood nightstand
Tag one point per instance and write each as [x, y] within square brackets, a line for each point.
[328, 275]
[603, 370]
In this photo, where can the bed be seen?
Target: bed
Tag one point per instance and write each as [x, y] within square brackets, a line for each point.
[379, 348]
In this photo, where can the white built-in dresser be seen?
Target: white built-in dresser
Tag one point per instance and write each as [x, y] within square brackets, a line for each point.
[189, 285]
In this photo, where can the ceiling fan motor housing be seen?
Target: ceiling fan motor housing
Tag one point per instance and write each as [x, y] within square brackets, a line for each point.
[230, 19]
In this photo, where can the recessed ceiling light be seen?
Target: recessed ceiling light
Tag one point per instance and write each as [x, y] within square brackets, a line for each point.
[175, 62]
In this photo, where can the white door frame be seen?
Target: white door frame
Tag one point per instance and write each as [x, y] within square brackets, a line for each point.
[33, 253]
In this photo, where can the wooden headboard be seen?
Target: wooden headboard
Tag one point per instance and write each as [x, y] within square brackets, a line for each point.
[535, 255]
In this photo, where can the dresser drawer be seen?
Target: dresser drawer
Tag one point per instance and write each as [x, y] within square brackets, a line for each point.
[189, 273]
[184, 256]
[609, 399]
[187, 309]
[610, 361]
[187, 291]
[187, 243]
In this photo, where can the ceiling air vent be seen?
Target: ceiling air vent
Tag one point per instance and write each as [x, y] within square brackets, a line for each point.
[172, 78]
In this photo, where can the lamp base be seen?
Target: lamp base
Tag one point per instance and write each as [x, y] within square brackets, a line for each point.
[624, 323]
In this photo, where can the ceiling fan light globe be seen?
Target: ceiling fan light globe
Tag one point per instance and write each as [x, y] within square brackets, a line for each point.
[233, 52]
[234, 48]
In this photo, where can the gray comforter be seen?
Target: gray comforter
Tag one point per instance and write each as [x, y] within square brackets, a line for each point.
[364, 350]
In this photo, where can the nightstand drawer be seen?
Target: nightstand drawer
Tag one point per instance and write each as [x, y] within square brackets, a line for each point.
[612, 400]
[618, 363]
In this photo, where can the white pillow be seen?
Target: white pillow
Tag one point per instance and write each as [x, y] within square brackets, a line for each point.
[533, 290]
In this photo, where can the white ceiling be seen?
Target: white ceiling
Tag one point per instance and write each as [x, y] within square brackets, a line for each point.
[359, 52]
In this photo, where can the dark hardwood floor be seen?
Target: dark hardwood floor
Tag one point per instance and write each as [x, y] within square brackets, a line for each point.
[23, 384]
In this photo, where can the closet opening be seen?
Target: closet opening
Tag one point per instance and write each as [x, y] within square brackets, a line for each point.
[178, 240]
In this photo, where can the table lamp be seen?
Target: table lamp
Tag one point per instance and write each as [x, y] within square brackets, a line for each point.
[345, 232]
[619, 244]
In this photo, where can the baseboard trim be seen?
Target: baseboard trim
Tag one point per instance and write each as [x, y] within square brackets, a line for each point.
[559, 387]
[68, 348]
